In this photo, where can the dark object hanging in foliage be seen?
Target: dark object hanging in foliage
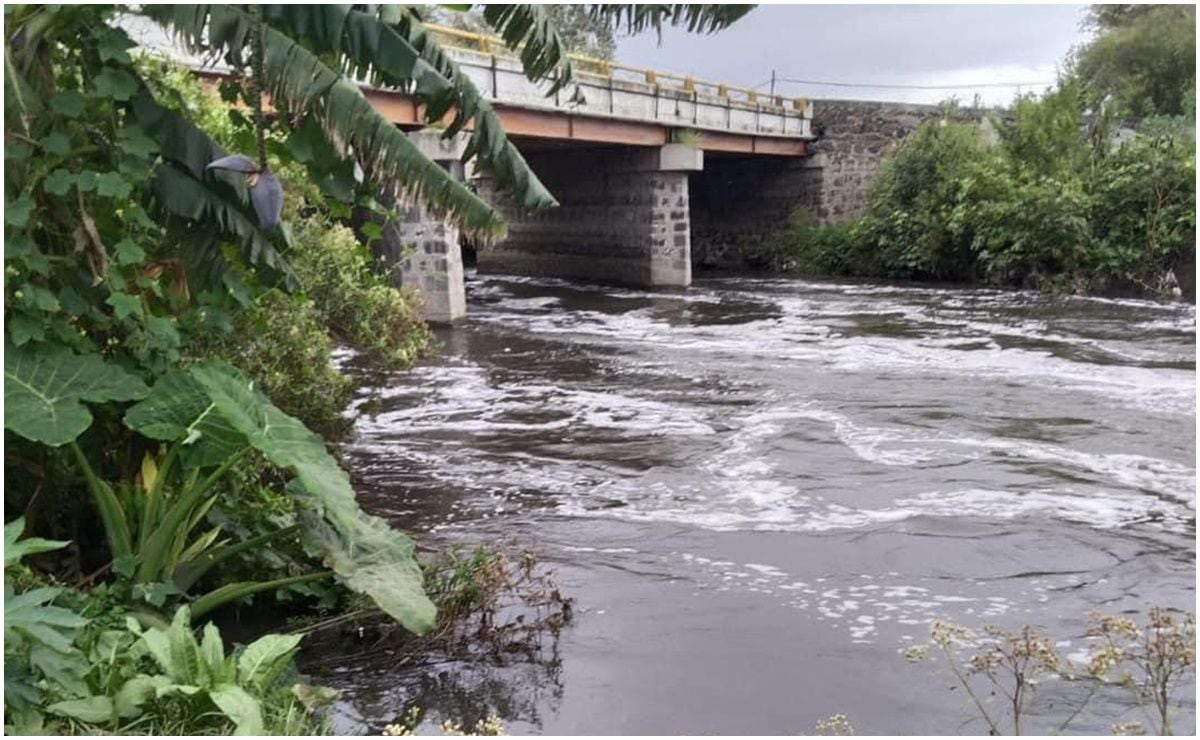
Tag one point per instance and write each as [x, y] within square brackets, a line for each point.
[266, 194]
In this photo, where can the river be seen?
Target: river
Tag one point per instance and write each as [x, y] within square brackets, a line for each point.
[761, 491]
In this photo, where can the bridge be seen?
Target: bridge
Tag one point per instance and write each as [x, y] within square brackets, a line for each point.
[652, 172]
[648, 165]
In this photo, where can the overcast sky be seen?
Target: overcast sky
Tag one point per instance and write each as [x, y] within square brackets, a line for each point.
[875, 44]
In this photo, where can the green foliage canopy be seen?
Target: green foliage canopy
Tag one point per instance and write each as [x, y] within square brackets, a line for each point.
[1143, 57]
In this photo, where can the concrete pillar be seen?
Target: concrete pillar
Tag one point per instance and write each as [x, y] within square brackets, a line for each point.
[623, 217]
[420, 251]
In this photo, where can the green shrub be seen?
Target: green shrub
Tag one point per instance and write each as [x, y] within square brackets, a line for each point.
[281, 343]
[803, 247]
[1143, 201]
[909, 230]
[357, 305]
[80, 663]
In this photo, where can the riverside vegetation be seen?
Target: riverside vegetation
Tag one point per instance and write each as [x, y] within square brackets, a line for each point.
[1060, 202]
[1145, 667]
[170, 311]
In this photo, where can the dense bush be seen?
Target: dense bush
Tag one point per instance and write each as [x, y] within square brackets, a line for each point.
[802, 247]
[910, 230]
[360, 308]
[282, 343]
[1059, 202]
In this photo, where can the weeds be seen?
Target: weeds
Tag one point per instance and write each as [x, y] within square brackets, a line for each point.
[489, 605]
[490, 726]
[834, 725]
[1150, 661]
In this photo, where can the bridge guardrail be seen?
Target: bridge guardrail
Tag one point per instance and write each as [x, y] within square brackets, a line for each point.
[610, 71]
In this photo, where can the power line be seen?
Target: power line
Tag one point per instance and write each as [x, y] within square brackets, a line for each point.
[914, 87]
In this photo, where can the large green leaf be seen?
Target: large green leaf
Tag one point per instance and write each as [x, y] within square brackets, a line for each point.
[697, 18]
[15, 549]
[488, 141]
[366, 554]
[239, 706]
[390, 48]
[44, 390]
[94, 709]
[176, 651]
[528, 30]
[264, 659]
[181, 188]
[180, 410]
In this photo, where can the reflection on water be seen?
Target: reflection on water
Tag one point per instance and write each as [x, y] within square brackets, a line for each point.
[761, 491]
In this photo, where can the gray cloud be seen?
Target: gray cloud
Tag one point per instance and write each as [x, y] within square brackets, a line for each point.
[893, 44]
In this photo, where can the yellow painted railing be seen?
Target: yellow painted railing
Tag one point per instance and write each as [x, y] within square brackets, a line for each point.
[608, 70]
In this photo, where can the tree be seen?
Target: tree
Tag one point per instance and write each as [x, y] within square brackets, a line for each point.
[1143, 58]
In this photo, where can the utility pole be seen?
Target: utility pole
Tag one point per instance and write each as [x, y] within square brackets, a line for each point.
[772, 85]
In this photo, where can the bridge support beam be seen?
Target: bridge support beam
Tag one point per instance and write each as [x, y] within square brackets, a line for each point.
[623, 217]
[420, 251]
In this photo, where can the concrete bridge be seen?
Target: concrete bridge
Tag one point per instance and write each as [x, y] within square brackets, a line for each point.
[648, 166]
[653, 172]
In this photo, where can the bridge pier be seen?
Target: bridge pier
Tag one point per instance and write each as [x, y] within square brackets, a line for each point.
[623, 217]
[420, 251]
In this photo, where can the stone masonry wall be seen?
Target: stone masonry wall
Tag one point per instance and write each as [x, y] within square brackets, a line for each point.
[616, 223]
[854, 138]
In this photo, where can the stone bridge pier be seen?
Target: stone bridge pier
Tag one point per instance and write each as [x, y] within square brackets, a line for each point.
[623, 218]
[419, 251]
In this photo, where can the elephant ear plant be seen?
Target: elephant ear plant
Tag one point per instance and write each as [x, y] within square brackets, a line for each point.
[209, 416]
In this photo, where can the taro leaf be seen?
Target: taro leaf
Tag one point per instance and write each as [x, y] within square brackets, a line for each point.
[44, 388]
[213, 401]
[369, 557]
[234, 163]
[266, 194]
[239, 706]
[14, 550]
[178, 409]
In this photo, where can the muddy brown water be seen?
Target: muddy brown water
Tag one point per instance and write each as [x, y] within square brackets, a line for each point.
[761, 491]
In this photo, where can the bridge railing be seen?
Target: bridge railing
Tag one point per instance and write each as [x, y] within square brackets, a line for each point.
[607, 68]
[607, 84]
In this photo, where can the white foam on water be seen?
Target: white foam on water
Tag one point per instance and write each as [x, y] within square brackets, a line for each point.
[867, 611]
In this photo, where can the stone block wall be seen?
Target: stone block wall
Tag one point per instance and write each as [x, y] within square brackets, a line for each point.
[620, 220]
[854, 138]
[426, 253]
[420, 251]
